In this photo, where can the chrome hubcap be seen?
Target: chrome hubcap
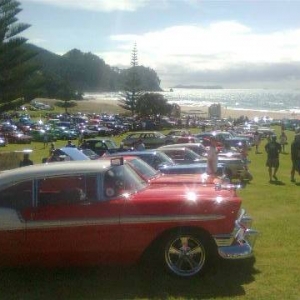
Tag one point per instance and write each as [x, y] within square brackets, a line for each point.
[185, 256]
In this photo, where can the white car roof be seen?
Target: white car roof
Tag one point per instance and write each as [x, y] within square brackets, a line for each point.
[53, 169]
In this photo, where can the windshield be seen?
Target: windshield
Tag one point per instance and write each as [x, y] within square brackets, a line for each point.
[191, 155]
[122, 179]
[144, 169]
[111, 144]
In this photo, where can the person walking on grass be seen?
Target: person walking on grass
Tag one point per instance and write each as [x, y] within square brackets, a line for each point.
[256, 141]
[283, 141]
[295, 155]
[273, 148]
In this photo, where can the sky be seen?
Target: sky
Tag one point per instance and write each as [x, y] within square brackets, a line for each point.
[234, 44]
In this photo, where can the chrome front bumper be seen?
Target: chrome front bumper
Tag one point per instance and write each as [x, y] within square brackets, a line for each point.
[239, 244]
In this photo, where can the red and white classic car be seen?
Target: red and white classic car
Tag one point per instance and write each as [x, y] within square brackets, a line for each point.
[103, 212]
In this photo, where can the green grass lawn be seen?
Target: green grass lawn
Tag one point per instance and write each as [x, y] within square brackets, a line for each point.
[273, 273]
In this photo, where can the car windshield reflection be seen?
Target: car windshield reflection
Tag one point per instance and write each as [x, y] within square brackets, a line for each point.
[120, 180]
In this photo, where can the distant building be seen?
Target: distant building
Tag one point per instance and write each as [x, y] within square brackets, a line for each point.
[214, 111]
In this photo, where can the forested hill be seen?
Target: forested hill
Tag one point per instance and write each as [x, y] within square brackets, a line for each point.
[86, 72]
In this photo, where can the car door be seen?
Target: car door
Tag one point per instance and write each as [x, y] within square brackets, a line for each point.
[70, 225]
[13, 200]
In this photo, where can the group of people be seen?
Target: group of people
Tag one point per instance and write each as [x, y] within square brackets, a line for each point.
[274, 148]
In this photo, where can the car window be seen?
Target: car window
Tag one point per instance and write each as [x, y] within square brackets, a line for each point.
[17, 196]
[143, 168]
[67, 190]
[164, 158]
[190, 154]
[120, 180]
[100, 145]
[149, 159]
[110, 144]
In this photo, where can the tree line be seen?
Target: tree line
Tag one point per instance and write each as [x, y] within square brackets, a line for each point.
[27, 71]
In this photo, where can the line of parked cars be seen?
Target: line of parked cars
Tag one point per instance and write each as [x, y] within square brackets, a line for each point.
[61, 127]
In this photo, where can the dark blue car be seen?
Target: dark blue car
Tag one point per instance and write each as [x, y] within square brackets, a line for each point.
[160, 161]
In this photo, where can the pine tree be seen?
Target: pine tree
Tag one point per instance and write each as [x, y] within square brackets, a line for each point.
[133, 90]
[15, 70]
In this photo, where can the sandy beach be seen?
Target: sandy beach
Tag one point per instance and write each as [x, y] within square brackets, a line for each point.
[100, 106]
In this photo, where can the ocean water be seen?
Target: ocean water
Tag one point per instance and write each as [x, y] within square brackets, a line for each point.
[284, 100]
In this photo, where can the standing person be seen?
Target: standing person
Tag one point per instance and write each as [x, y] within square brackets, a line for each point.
[46, 139]
[139, 146]
[26, 161]
[295, 155]
[80, 138]
[83, 145]
[52, 148]
[273, 148]
[70, 144]
[212, 158]
[256, 141]
[283, 141]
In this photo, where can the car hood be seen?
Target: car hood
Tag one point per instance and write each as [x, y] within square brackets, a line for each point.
[196, 201]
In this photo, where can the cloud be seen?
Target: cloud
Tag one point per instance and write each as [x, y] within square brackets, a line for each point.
[222, 51]
[96, 5]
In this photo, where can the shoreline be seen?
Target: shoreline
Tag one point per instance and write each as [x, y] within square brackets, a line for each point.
[100, 106]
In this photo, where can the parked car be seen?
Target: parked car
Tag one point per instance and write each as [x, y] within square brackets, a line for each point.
[188, 139]
[182, 155]
[202, 151]
[66, 154]
[157, 177]
[230, 139]
[101, 130]
[100, 145]
[198, 168]
[2, 141]
[87, 133]
[63, 133]
[162, 162]
[205, 140]
[196, 147]
[77, 213]
[17, 137]
[175, 134]
[151, 139]
[156, 159]
[90, 153]
[38, 135]
[235, 168]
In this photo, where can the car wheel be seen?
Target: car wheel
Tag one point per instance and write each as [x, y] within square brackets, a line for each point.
[186, 254]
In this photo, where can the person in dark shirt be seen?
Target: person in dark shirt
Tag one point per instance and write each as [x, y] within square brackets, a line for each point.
[26, 161]
[70, 144]
[295, 155]
[273, 148]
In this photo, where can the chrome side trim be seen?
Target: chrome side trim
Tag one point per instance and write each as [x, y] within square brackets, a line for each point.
[170, 218]
[9, 224]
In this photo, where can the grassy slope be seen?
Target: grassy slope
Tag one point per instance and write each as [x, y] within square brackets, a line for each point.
[272, 274]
